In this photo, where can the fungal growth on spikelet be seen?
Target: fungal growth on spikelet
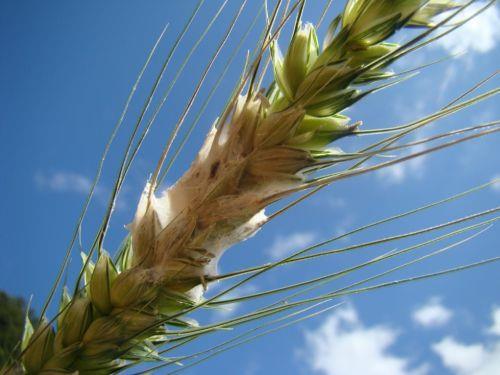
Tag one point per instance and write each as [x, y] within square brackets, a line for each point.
[258, 153]
[271, 140]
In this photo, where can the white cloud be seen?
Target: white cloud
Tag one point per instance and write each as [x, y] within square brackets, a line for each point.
[479, 358]
[71, 182]
[432, 314]
[284, 245]
[472, 359]
[398, 173]
[495, 327]
[448, 77]
[496, 184]
[342, 345]
[63, 182]
[463, 359]
[478, 35]
[229, 310]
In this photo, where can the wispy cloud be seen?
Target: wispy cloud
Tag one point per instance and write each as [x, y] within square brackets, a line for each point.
[447, 79]
[343, 345]
[496, 184]
[226, 311]
[480, 35]
[284, 245]
[414, 168]
[64, 182]
[406, 112]
[75, 183]
[252, 368]
[479, 358]
[494, 329]
[398, 173]
[334, 202]
[432, 314]
[344, 225]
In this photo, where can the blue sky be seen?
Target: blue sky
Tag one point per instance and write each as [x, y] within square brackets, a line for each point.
[65, 74]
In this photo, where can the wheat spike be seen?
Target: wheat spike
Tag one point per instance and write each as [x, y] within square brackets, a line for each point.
[262, 149]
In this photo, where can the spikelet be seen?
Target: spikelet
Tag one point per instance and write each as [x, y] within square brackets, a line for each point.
[101, 282]
[75, 322]
[40, 348]
[134, 287]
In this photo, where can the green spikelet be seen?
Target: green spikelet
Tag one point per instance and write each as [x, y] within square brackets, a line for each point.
[40, 348]
[76, 321]
[301, 56]
[133, 288]
[101, 281]
[424, 16]
[369, 22]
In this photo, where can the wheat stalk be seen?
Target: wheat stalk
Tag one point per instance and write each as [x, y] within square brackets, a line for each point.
[266, 145]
